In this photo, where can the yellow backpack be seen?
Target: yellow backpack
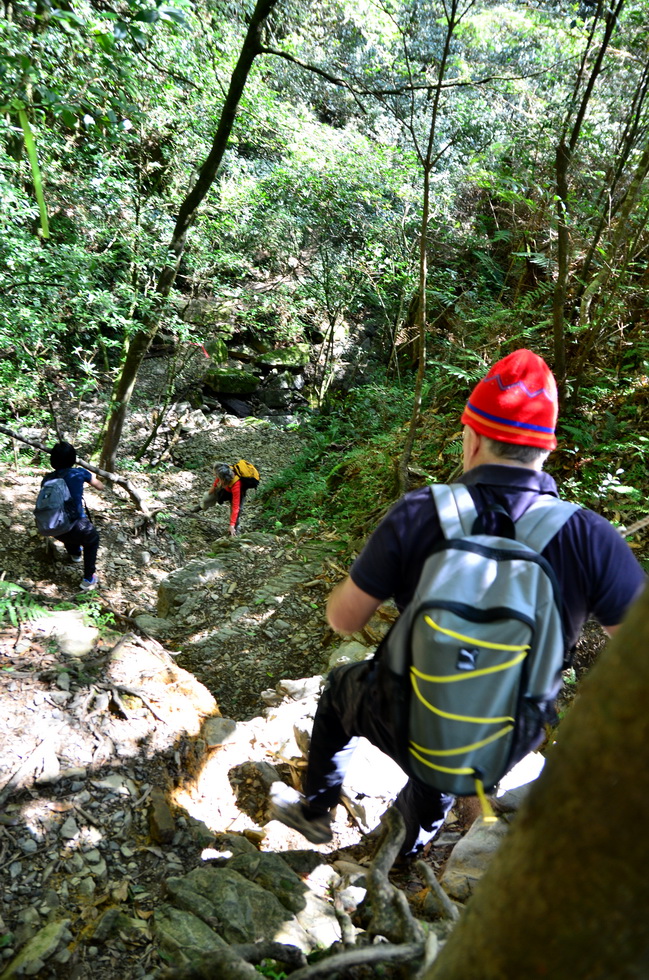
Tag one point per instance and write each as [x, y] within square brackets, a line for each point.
[247, 473]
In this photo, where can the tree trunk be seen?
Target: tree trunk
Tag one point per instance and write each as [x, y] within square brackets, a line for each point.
[567, 894]
[427, 161]
[421, 332]
[606, 198]
[137, 345]
[561, 285]
[564, 153]
[611, 277]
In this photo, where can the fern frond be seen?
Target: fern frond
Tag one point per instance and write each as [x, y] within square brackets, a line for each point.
[453, 448]
[17, 605]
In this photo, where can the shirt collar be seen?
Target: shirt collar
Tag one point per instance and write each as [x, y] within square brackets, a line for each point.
[515, 477]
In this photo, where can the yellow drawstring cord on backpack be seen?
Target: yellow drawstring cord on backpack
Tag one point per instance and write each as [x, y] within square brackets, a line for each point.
[487, 813]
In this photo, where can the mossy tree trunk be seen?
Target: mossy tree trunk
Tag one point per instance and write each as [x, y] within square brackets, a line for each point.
[453, 15]
[137, 344]
[567, 894]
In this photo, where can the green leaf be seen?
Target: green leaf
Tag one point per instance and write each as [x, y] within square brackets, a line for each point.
[67, 16]
[120, 30]
[36, 173]
[106, 42]
[140, 39]
[170, 13]
[68, 116]
[148, 16]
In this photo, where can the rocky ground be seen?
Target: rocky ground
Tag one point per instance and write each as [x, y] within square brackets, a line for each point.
[102, 777]
[144, 723]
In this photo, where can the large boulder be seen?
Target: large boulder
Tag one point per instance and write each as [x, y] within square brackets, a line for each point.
[240, 911]
[291, 358]
[231, 381]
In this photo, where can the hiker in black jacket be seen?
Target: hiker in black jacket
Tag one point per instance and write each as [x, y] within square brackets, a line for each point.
[82, 541]
[509, 424]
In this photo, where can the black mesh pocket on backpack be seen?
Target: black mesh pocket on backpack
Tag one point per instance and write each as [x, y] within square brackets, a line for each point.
[531, 720]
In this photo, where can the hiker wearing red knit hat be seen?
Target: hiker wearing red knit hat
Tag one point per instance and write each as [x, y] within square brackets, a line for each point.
[516, 402]
[509, 429]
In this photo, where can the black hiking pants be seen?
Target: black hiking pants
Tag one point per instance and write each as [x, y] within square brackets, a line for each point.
[348, 709]
[83, 535]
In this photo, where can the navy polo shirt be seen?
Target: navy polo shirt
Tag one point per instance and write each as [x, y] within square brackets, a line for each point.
[597, 573]
[75, 477]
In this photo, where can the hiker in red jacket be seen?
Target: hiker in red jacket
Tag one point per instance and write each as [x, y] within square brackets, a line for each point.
[226, 486]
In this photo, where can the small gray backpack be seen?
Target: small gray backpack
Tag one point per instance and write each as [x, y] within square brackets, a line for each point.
[483, 645]
[53, 510]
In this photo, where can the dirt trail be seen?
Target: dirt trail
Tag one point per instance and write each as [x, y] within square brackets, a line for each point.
[262, 621]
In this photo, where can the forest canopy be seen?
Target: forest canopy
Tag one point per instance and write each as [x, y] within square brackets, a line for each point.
[403, 188]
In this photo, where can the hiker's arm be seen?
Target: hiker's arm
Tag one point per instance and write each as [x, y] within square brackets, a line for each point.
[235, 505]
[96, 483]
[349, 608]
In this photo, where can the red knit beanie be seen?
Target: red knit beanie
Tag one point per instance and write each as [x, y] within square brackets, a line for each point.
[516, 402]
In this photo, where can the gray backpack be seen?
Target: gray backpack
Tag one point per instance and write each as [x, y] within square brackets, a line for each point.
[483, 645]
[54, 508]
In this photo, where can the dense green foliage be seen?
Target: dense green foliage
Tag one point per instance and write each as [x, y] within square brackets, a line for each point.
[346, 477]
[109, 112]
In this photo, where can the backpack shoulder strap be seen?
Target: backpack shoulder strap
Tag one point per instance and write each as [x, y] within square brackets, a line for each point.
[455, 509]
[543, 520]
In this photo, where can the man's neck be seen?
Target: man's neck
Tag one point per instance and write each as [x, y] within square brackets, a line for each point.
[487, 459]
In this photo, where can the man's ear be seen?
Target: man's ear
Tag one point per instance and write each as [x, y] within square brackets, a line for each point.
[471, 445]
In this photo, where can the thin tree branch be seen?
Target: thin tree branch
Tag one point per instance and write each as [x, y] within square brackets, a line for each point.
[120, 481]
[357, 89]
[170, 74]
[365, 956]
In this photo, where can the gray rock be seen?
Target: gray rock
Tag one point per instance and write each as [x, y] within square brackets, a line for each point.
[351, 651]
[298, 690]
[160, 818]
[69, 829]
[154, 625]
[63, 680]
[86, 888]
[113, 921]
[319, 921]
[471, 856]
[304, 862]
[173, 591]
[69, 629]
[183, 935]
[200, 832]
[239, 910]
[216, 731]
[74, 863]
[31, 959]
[116, 784]
[229, 845]
[274, 874]
[232, 381]
[295, 357]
